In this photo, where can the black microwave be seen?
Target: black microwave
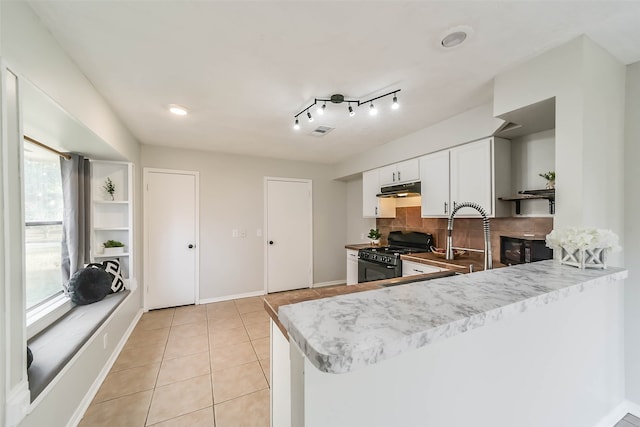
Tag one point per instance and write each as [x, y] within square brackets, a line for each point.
[523, 249]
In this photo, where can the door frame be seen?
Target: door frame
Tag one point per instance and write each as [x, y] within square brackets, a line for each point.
[265, 235]
[145, 230]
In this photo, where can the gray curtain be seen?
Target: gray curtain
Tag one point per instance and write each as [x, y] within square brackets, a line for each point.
[76, 195]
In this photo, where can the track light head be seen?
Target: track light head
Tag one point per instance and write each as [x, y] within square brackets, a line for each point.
[322, 108]
[395, 105]
[296, 125]
[372, 110]
[351, 112]
[309, 116]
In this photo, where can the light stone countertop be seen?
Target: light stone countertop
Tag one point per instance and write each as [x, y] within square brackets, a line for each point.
[347, 332]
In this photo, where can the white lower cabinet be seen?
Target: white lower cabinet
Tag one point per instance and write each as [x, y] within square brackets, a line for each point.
[410, 268]
[352, 267]
[280, 380]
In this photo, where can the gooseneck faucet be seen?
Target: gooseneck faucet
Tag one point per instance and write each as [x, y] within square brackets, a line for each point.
[488, 263]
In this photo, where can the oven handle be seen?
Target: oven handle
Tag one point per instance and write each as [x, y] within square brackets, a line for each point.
[391, 266]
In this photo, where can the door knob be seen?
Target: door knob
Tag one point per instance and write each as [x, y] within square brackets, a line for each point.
[271, 242]
[190, 246]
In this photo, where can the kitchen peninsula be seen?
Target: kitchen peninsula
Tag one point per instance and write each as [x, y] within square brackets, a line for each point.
[529, 345]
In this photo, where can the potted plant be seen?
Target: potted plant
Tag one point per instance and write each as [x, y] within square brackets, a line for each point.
[551, 179]
[109, 187]
[112, 247]
[374, 235]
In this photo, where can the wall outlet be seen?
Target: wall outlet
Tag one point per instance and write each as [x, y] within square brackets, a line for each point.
[105, 340]
[362, 236]
[234, 232]
[243, 233]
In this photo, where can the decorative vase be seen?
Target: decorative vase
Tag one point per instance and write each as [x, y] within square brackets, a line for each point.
[551, 184]
[375, 241]
[114, 251]
[584, 258]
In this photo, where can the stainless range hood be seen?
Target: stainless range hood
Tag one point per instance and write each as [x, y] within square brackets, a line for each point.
[409, 189]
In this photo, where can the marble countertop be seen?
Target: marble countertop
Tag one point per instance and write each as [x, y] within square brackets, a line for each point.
[347, 332]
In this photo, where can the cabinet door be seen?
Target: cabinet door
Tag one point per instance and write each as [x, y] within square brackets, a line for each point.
[413, 268]
[352, 267]
[372, 206]
[471, 176]
[408, 171]
[434, 175]
[388, 175]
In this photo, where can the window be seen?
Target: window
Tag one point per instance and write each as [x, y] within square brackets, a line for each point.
[43, 225]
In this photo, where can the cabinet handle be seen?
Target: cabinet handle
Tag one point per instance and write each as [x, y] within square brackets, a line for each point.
[394, 177]
[446, 207]
[418, 271]
[398, 175]
[376, 211]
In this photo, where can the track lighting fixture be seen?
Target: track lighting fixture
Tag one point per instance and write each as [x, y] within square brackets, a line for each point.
[339, 99]
[394, 104]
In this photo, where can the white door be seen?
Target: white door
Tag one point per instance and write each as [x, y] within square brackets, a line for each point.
[434, 176]
[471, 176]
[170, 227]
[289, 234]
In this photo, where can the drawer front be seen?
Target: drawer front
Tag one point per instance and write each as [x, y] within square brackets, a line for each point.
[412, 268]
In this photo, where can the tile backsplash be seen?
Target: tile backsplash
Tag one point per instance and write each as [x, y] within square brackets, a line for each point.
[467, 232]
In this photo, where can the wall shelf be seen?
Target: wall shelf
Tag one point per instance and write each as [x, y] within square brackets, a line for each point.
[549, 195]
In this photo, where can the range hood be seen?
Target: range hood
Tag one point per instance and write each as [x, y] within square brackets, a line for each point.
[409, 189]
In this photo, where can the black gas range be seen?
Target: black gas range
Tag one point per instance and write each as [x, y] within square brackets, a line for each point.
[383, 262]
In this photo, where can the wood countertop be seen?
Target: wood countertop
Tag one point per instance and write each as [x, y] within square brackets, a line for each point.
[358, 246]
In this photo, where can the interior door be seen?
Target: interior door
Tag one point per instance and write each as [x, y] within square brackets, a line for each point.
[171, 253]
[289, 241]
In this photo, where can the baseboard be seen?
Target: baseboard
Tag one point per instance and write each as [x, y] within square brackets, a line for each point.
[93, 390]
[624, 408]
[330, 283]
[230, 297]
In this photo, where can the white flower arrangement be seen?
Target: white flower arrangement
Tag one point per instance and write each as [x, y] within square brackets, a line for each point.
[583, 247]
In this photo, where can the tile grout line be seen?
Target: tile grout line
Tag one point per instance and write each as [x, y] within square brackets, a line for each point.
[153, 392]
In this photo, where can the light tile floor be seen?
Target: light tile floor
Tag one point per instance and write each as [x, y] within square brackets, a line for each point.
[195, 366]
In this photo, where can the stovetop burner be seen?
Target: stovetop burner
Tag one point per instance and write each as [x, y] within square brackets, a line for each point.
[400, 244]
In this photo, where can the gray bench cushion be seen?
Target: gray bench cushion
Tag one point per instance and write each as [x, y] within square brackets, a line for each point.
[54, 347]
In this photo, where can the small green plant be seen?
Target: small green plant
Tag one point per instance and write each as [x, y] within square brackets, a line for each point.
[113, 244]
[374, 234]
[549, 176]
[109, 187]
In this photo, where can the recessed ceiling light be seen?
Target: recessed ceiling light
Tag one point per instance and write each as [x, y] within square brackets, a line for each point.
[455, 36]
[178, 110]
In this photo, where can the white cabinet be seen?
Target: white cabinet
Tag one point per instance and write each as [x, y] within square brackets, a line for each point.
[112, 219]
[372, 206]
[398, 173]
[410, 268]
[434, 176]
[477, 172]
[352, 267]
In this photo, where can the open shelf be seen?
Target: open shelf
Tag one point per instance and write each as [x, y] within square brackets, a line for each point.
[548, 194]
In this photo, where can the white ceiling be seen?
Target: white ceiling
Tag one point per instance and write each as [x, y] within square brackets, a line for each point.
[244, 69]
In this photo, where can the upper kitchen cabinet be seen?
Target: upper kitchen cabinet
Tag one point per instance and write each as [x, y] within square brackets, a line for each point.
[434, 176]
[398, 173]
[372, 206]
[477, 172]
[480, 172]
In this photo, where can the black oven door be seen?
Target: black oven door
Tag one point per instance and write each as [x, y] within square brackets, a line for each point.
[369, 271]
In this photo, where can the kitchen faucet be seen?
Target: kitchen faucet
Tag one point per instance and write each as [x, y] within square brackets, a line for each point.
[488, 263]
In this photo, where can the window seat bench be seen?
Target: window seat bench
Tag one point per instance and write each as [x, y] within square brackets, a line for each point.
[55, 346]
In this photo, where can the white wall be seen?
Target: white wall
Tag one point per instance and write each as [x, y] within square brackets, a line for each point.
[468, 126]
[632, 233]
[532, 155]
[29, 50]
[231, 196]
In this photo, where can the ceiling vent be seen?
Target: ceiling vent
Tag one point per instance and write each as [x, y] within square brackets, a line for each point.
[321, 131]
